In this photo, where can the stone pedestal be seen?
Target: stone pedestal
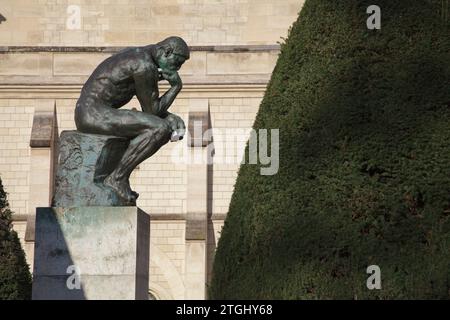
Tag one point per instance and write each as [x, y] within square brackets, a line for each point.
[91, 253]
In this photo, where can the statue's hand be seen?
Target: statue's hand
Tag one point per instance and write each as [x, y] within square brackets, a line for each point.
[173, 77]
[177, 126]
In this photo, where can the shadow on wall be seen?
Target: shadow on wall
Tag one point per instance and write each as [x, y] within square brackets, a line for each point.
[211, 236]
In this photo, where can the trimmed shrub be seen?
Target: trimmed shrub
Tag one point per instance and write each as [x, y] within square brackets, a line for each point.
[15, 278]
[364, 178]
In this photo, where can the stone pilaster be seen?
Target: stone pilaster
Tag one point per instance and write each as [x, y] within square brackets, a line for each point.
[197, 204]
[43, 159]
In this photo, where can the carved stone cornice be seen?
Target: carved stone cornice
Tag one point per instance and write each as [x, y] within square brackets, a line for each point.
[114, 49]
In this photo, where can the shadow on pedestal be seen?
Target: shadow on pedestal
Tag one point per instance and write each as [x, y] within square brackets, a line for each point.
[55, 273]
[91, 253]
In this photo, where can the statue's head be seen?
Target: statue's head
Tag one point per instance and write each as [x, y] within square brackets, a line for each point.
[171, 53]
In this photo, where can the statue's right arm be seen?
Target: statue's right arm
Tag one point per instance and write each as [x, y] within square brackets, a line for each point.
[147, 93]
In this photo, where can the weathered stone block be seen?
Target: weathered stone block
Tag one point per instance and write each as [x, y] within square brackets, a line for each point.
[85, 160]
[91, 253]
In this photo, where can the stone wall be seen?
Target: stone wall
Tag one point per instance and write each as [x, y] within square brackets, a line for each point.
[16, 118]
[135, 22]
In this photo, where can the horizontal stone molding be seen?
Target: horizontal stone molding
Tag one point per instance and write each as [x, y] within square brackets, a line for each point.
[186, 87]
[114, 49]
[155, 216]
[224, 68]
[19, 217]
[190, 90]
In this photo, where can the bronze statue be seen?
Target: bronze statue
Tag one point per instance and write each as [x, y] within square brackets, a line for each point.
[134, 72]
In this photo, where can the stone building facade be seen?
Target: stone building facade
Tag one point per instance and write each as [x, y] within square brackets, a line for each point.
[48, 48]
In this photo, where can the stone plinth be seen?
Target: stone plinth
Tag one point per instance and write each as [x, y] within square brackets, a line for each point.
[85, 160]
[91, 253]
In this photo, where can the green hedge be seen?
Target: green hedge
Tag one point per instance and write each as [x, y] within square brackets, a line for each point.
[15, 278]
[364, 118]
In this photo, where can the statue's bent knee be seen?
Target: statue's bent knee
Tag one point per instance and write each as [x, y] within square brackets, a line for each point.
[81, 114]
[163, 132]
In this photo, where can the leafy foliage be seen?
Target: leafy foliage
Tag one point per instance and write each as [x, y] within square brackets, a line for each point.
[364, 118]
[15, 278]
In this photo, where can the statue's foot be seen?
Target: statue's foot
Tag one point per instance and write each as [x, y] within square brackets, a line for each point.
[133, 193]
[122, 188]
